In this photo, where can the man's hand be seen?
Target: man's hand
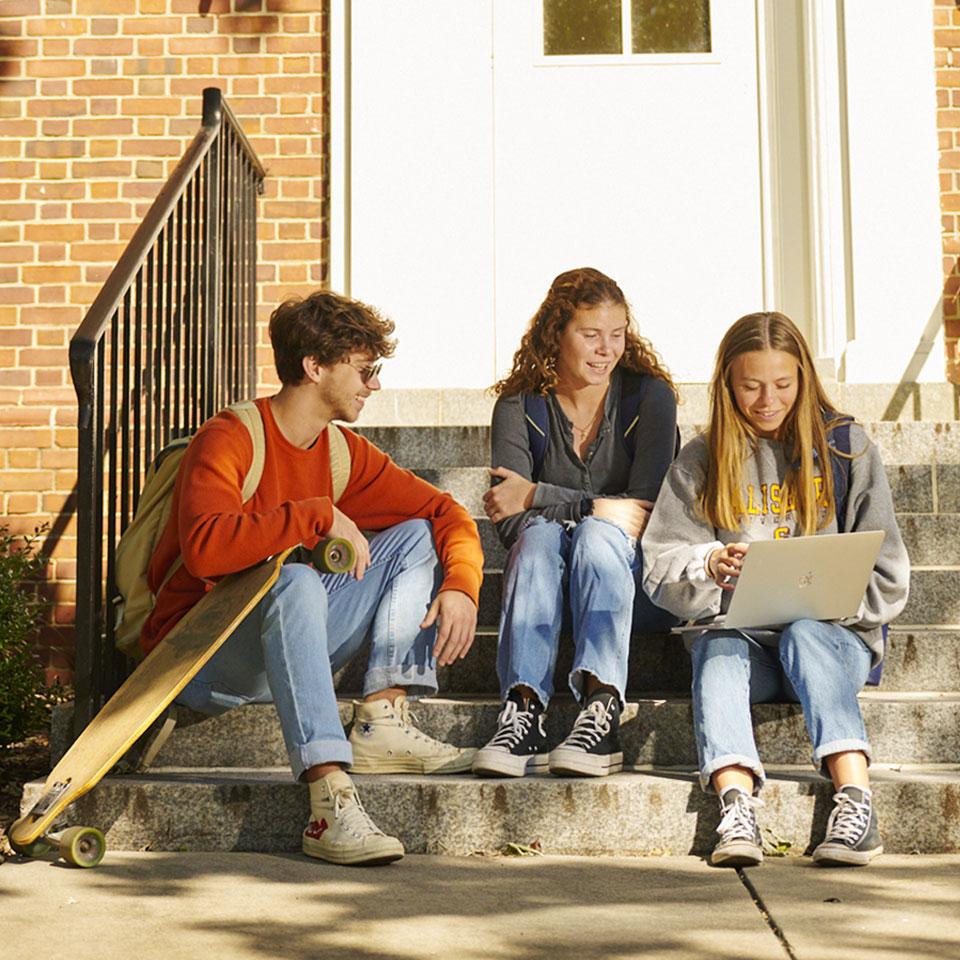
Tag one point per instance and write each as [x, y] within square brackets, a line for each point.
[458, 625]
[724, 564]
[512, 495]
[344, 527]
[632, 516]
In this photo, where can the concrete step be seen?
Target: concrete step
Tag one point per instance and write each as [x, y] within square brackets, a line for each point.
[913, 488]
[916, 660]
[910, 443]
[903, 728]
[648, 811]
[934, 598]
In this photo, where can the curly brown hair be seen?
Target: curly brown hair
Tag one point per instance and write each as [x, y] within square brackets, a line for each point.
[328, 327]
[535, 362]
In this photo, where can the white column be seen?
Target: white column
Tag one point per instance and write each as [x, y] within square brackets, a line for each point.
[833, 322]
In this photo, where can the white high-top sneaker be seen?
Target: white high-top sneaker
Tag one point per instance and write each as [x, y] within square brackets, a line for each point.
[340, 830]
[385, 741]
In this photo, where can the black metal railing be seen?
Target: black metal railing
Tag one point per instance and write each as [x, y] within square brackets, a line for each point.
[169, 340]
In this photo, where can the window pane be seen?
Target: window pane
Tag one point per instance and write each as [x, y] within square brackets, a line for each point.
[671, 26]
[581, 26]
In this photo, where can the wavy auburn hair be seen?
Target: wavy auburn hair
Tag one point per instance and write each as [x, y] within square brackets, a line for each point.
[535, 362]
[730, 436]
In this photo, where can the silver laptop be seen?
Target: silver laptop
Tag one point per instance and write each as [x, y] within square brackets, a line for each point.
[800, 578]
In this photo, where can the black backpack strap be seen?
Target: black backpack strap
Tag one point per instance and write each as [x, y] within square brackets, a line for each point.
[535, 413]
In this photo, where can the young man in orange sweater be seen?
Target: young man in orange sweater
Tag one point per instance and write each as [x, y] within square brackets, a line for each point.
[413, 590]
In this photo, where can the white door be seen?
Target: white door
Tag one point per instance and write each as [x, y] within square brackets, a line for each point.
[484, 162]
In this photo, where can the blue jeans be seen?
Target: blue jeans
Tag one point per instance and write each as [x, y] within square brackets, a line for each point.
[598, 567]
[285, 652]
[821, 666]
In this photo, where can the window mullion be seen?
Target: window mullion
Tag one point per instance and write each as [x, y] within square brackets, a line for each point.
[626, 20]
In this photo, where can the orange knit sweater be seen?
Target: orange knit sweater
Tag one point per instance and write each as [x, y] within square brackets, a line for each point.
[217, 534]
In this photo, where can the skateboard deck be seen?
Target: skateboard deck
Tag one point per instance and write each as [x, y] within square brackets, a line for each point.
[146, 693]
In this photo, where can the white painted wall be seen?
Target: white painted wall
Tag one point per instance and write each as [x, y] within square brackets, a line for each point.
[894, 193]
[422, 184]
[479, 173]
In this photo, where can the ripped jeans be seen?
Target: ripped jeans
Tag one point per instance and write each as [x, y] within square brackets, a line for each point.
[597, 567]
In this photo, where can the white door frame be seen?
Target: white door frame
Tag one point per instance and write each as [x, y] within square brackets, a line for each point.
[339, 170]
[826, 264]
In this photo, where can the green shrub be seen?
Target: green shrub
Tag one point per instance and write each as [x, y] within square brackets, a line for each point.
[24, 698]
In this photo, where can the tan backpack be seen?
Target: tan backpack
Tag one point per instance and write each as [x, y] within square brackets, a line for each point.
[134, 600]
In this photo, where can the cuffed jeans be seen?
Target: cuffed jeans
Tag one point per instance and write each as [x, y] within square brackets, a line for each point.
[821, 666]
[309, 625]
[598, 566]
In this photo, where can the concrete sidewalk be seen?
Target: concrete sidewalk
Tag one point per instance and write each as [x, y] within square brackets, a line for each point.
[237, 905]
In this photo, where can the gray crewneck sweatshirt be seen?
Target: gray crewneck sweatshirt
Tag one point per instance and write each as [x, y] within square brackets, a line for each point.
[678, 539]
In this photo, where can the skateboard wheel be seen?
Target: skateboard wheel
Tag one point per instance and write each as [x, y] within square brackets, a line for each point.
[82, 846]
[37, 848]
[334, 556]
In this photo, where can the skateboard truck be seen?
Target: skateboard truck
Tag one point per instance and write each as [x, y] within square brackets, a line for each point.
[49, 798]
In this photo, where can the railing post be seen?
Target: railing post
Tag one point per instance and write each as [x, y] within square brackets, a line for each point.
[87, 634]
[211, 297]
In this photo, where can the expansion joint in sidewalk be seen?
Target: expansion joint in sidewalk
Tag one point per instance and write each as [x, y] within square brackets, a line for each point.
[765, 913]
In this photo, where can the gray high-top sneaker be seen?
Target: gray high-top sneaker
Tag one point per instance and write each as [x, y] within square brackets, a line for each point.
[853, 835]
[739, 844]
[340, 830]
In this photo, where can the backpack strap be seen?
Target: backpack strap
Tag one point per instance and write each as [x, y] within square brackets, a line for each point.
[633, 388]
[248, 413]
[840, 467]
[535, 413]
[339, 460]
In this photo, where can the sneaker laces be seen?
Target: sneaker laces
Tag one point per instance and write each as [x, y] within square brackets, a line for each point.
[849, 819]
[408, 722]
[739, 821]
[513, 725]
[593, 724]
[349, 812]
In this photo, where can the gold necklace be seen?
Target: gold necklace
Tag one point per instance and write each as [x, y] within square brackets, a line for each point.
[584, 431]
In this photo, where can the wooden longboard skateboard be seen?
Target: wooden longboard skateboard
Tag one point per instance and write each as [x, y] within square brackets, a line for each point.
[146, 693]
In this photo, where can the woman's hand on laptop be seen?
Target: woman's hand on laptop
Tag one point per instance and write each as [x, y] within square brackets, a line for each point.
[723, 564]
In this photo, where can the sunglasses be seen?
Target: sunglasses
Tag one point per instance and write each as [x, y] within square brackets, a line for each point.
[368, 372]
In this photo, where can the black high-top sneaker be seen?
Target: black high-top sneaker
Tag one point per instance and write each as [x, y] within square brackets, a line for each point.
[739, 844]
[853, 834]
[593, 747]
[520, 743]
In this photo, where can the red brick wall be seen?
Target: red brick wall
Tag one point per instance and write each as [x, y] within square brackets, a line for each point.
[98, 99]
[947, 52]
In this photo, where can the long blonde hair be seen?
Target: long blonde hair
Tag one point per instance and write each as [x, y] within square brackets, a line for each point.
[731, 438]
[535, 362]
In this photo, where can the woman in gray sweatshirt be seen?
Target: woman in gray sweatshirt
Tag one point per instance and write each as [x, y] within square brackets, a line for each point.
[758, 473]
[574, 489]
